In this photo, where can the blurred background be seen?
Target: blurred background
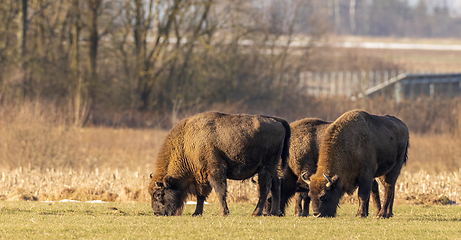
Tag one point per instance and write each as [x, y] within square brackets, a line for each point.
[93, 85]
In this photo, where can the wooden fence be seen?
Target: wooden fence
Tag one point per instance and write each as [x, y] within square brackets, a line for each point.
[395, 84]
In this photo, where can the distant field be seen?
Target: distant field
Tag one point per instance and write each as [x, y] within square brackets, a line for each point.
[358, 39]
[414, 60]
[20, 220]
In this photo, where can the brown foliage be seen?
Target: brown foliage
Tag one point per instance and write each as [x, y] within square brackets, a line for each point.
[41, 156]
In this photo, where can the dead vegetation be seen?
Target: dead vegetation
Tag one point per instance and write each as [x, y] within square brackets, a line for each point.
[116, 185]
[43, 159]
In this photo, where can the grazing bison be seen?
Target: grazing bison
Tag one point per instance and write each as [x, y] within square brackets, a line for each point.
[203, 151]
[306, 135]
[355, 149]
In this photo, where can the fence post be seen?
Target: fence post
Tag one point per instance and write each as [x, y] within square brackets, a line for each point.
[459, 79]
[340, 83]
[378, 78]
[317, 84]
[325, 85]
[412, 90]
[397, 91]
[450, 88]
[301, 83]
[371, 81]
[351, 83]
[363, 81]
[386, 75]
[431, 90]
[332, 83]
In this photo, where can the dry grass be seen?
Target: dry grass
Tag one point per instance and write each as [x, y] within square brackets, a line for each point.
[127, 186]
[30, 136]
[43, 159]
[434, 154]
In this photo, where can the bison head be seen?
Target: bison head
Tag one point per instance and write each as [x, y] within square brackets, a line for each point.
[166, 198]
[325, 194]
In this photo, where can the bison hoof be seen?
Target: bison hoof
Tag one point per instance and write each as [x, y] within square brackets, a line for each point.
[256, 214]
[385, 215]
[196, 214]
[278, 213]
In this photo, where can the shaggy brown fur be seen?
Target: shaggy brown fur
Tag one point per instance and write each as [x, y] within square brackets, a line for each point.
[356, 148]
[306, 135]
[202, 151]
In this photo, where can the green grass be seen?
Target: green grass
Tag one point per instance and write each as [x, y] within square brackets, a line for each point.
[38, 220]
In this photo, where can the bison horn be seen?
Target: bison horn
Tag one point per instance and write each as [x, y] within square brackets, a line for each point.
[151, 175]
[305, 178]
[330, 182]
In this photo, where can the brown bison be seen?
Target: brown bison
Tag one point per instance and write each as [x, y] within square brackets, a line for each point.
[306, 135]
[203, 151]
[355, 149]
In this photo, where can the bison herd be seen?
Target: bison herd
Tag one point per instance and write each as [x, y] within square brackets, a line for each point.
[315, 161]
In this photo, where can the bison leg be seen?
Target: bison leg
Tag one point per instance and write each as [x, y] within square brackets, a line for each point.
[199, 207]
[375, 196]
[307, 201]
[388, 182]
[275, 192]
[386, 211]
[219, 184]
[302, 201]
[298, 204]
[364, 198]
[391, 206]
[267, 206]
[289, 186]
[264, 183]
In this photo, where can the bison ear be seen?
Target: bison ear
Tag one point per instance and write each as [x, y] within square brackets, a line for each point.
[333, 182]
[335, 179]
[170, 182]
[305, 178]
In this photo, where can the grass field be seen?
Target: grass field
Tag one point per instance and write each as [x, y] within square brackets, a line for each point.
[20, 220]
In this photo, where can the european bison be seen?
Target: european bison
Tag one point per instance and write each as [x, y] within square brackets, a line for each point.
[355, 149]
[306, 135]
[203, 151]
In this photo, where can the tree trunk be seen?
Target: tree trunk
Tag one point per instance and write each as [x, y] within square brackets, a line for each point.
[94, 7]
[139, 40]
[24, 47]
[78, 86]
[352, 15]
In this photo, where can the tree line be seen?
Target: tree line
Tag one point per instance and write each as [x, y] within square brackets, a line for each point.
[397, 18]
[144, 54]
[95, 56]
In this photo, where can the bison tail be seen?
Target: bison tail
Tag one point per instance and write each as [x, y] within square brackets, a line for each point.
[405, 156]
[286, 143]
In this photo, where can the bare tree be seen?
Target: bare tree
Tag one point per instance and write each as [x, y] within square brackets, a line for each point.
[9, 11]
[25, 23]
[94, 7]
[352, 15]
